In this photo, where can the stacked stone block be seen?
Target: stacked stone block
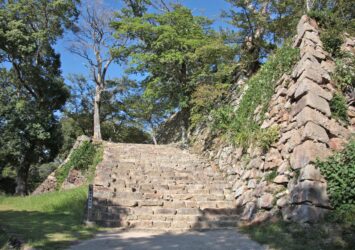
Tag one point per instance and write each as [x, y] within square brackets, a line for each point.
[160, 187]
[285, 177]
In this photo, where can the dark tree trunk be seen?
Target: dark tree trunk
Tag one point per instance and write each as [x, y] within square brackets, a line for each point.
[21, 180]
[185, 125]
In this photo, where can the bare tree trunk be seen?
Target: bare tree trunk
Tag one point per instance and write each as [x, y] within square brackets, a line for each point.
[21, 180]
[97, 125]
[153, 134]
[154, 139]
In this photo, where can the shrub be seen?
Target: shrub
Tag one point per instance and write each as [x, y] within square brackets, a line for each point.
[333, 26]
[344, 74]
[268, 136]
[339, 171]
[339, 107]
[38, 173]
[240, 126]
[203, 99]
[84, 158]
[332, 41]
[222, 117]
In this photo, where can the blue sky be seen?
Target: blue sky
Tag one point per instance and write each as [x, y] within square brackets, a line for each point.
[74, 64]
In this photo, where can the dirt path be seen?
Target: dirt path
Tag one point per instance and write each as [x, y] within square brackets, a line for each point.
[144, 240]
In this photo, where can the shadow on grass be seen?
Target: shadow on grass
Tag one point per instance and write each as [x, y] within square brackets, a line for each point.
[44, 230]
[279, 234]
[48, 221]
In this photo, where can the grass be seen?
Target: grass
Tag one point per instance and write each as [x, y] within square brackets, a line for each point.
[48, 221]
[84, 158]
[240, 126]
[291, 236]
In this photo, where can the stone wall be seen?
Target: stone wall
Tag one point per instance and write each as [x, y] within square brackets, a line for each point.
[74, 179]
[285, 179]
[171, 130]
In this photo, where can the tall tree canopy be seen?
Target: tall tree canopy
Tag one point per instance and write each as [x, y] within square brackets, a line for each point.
[32, 88]
[94, 42]
[175, 52]
[259, 26]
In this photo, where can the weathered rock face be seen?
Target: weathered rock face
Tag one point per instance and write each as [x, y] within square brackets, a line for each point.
[285, 178]
[74, 179]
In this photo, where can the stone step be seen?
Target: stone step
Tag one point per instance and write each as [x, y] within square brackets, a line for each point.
[161, 187]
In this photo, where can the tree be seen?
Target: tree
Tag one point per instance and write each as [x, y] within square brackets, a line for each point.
[94, 42]
[146, 111]
[260, 26]
[32, 89]
[117, 125]
[175, 51]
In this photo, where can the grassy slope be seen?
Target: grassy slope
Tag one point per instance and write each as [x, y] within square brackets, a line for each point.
[48, 221]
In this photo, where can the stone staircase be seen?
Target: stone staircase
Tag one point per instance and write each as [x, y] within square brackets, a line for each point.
[160, 187]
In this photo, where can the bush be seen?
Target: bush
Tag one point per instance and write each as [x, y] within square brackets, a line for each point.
[84, 158]
[268, 136]
[38, 173]
[339, 107]
[240, 126]
[344, 75]
[339, 171]
[203, 100]
[333, 24]
[332, 41]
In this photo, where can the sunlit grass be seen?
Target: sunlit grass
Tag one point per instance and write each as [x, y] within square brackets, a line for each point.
[47, 221]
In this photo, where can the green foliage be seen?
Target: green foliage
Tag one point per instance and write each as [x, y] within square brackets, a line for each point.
[240, 126]
[147, 112]
[203, 99]
[177, 51]
[116, 118]
[339, 107]
[344, 214]
[279, 234]
[331, 41]
[268, 136]
[125, 133]
[31, 87]
[84, 158]
[334, 21]
[260, 26]
[271, 176]
[344, 75]
[47, 221]
[339, 171]
[98, 157]
[38, 173]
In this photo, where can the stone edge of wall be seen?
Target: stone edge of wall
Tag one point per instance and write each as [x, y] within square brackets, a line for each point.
[50, 183]
[300, 108]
